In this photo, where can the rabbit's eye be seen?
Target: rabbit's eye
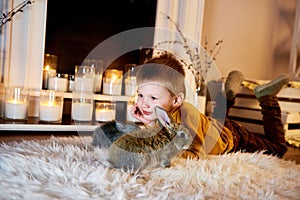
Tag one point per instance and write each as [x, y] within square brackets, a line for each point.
[181, 134]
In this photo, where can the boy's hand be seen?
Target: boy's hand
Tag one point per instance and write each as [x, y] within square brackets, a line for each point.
[136, 113]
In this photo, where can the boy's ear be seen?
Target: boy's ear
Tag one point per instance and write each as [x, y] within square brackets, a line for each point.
[178, 100]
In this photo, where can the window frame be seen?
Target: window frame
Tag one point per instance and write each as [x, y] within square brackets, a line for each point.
[188, 15]
[24, 53]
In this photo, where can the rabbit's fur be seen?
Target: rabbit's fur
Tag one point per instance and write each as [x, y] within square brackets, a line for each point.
[106, 134]
[150, 147]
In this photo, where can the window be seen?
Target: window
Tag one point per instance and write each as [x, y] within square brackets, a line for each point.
[73, 31]
[23, 58]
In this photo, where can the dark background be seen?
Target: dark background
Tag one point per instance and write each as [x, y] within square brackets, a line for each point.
[73, 30]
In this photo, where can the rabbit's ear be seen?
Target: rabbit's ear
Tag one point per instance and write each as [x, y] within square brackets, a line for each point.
[163, 116]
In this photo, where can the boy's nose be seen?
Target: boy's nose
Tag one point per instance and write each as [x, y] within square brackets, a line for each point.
[145, 104]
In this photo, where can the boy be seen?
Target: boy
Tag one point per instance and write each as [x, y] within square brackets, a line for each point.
[161, 83]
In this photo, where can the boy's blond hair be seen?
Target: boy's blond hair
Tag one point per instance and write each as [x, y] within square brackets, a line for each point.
[164, 70]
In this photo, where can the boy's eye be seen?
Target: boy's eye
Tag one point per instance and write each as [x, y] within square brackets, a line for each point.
[154, 98]
[140, 95]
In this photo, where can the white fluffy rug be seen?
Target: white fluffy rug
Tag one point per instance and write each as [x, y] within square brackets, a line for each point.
[63, 168]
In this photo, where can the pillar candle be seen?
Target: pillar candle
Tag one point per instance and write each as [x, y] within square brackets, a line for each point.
[105, 115]
[112, 82]
[15, 109]
[82, 111]
[112, 86]
[51, 112]
[84, 84]
[130, 86]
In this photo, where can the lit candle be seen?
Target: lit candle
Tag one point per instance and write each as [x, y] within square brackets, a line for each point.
[112, 86]
[105, 111]
[47, 72]
[112, 82]
[50, 65]
[51, 106]
[15, 109]
[82, 111]
[51, 112]
[104, 115]
[16, 103]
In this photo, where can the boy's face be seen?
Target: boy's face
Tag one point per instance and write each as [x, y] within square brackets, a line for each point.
[152, 95]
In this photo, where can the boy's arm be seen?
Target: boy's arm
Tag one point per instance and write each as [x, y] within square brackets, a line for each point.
[210, 136]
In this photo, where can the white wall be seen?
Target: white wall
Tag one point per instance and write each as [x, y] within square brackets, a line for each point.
[246, 26]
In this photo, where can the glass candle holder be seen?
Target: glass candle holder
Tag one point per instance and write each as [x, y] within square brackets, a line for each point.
[130, 86]
[58, 82]
[51, 106]
[97, 82]
[105, 111]
[16, 103]
[84, 78]
[130, 80]
[82, 106]
[112, 82]
[98, 65]
[71, 79]
[50, 65]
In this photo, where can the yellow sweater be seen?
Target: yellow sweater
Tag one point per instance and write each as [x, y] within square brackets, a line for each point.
[211, 137]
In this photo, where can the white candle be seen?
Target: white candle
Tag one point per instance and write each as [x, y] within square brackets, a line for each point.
[82, 111]
[130, 86]
[47, 72]
[97, 82]
[71, 86]
[84, 84]
[104, 115]
[15, 110]
[112, 86]
[51, 112]
[56, 83]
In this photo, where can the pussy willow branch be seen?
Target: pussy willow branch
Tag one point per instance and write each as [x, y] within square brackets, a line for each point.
[198, 67]
[9, 15]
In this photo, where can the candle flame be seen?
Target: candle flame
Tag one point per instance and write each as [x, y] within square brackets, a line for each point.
[14, 101]
[114, 77]
[47, 67]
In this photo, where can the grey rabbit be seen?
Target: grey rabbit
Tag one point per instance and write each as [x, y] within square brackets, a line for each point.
[149, 147]
[106, 134]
